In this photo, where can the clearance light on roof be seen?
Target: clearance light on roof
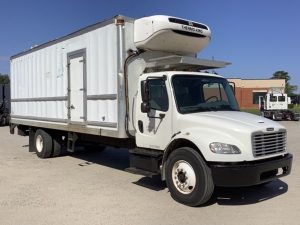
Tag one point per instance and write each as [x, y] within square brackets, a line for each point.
[119, 20]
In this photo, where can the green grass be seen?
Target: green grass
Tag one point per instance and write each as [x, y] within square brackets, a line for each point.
[296, 108]
[253, 111]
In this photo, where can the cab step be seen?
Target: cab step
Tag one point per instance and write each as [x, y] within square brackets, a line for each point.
[145, 161]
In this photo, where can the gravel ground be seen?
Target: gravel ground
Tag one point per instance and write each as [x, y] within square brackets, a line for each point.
[93, 188]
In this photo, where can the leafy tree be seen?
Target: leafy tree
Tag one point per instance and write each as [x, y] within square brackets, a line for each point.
[289, 89]
[4, 79]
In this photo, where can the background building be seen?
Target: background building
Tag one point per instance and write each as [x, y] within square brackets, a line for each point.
[247, 91]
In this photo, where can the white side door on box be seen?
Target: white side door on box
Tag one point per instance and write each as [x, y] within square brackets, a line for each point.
[77, 87]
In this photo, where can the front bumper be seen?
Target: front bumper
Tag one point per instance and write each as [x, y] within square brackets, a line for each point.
[251, 173]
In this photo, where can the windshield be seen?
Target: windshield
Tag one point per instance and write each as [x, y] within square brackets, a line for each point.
[203, 93]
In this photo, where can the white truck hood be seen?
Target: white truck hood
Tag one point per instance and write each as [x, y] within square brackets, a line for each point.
[231, 127]
[234, 120]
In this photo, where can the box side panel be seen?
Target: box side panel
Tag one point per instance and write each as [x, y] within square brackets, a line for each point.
[102, 72]
[36, 79]
[39, 80]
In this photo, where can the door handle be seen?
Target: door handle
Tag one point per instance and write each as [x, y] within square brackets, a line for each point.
[141, 126]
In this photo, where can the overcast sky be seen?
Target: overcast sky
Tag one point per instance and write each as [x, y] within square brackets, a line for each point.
[258, 37]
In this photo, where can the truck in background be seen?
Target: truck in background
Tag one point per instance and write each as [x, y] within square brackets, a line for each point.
[4, 104]
[138, 84]
[274, 105]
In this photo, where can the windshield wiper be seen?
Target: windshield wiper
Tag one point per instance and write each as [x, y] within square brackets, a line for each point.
[190, 109]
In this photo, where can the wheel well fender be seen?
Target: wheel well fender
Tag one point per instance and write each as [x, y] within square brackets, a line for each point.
[175, 144]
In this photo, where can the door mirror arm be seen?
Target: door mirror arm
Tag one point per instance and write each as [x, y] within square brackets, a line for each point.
[145, 107]
[161, 116]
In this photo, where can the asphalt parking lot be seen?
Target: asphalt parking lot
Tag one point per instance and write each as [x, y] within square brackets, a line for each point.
[93, 188]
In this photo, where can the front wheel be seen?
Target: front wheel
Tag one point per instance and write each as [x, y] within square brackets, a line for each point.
[188, 177]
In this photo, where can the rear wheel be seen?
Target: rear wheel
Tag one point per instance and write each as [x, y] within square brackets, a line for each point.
[188, 177]
[42, 144]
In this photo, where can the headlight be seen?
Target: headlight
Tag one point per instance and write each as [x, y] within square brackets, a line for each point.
[222, 148]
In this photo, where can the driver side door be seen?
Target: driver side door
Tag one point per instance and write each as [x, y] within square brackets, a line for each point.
[154, 128]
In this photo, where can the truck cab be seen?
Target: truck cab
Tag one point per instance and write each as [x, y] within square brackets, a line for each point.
[194, 118]
[171, 101]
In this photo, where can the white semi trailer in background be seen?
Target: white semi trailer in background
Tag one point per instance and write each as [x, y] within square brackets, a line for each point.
[137, 84]
[274, 105]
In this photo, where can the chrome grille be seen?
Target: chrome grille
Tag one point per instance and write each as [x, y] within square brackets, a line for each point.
[268, 143]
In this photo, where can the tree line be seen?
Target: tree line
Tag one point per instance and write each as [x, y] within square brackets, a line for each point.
[4, 78]
[289, 89]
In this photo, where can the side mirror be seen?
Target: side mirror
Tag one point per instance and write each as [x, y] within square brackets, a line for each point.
[145, 91]
[145, 107]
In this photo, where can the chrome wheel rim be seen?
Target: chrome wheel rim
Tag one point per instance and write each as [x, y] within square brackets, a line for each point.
[39, 143]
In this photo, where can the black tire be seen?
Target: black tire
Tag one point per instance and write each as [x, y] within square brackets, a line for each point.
[204, 186]
[43, 144]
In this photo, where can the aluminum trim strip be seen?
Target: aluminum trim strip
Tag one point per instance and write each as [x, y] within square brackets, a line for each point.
[43, 99]
[67, 127]
[102, 124]
[39, 118]
[102, 97]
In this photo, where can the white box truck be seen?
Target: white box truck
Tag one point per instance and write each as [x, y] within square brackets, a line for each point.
[137, 84]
